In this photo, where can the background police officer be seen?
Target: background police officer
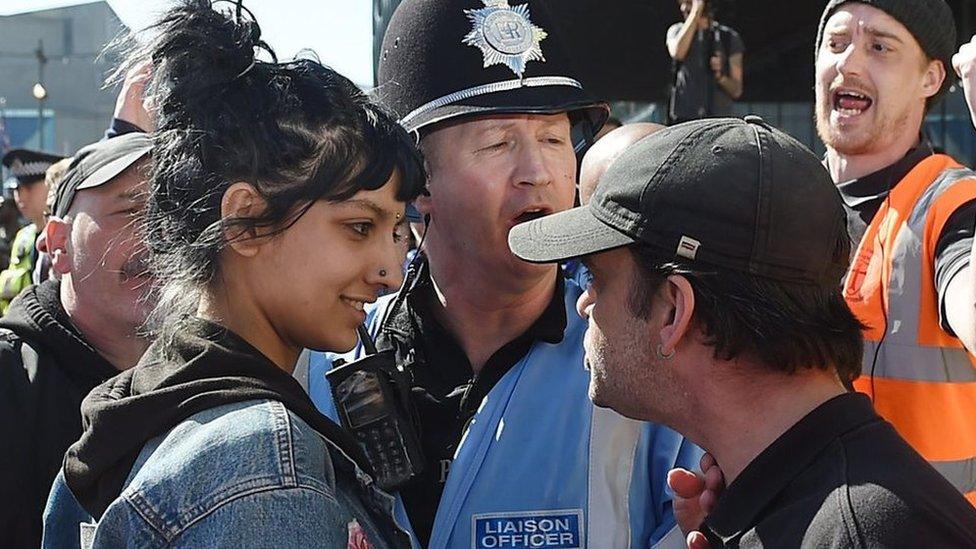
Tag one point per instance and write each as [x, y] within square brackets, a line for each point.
[27, 169]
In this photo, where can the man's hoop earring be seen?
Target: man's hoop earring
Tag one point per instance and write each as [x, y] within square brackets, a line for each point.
[382, 273]
[661, 355]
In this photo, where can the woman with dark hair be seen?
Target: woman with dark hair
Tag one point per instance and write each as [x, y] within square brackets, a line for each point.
[276, 197]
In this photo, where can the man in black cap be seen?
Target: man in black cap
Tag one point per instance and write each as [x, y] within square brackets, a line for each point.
[880, 64]
[63, 337]
[515, 454]
[717, 249]
[27, 169]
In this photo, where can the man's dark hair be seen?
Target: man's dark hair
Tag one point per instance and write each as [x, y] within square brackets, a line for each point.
[786, 326]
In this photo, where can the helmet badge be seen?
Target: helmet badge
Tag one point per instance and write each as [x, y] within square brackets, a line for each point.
[505, 35]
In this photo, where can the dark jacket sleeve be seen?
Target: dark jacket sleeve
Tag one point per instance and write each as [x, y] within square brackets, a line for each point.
[20, 506]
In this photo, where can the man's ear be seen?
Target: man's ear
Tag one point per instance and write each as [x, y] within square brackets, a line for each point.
[56, 239]
[935, 75]
[680, 297]
[41, 242]
[423, 203]
[241, 201]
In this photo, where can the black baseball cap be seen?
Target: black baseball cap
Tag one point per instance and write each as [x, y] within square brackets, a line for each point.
[736, 194]
[99, 163]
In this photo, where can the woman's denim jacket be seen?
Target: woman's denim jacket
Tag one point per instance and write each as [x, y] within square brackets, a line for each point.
[249, 474]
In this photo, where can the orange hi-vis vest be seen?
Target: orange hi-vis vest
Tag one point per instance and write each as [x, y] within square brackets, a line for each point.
[920, 377]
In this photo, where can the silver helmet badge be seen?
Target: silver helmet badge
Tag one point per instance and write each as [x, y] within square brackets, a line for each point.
[505, 35]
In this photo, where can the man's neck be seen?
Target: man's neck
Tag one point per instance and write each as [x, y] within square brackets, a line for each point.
[122, 348]
[724, 420]
[844, 167]
[704, 22]
[482, 314]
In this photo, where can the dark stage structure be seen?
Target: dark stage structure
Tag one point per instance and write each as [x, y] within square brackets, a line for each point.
[621, 55]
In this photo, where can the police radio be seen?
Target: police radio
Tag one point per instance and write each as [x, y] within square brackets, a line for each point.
[372, 395]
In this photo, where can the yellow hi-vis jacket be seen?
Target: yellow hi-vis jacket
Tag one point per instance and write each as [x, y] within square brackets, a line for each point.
[17, 275]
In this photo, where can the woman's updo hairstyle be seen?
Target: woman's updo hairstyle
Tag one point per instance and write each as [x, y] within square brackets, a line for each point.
[297, 131]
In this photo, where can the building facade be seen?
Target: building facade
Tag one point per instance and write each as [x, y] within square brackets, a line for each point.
[77, 107]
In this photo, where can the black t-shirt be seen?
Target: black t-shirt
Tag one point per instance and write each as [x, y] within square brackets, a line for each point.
[694, 81]
[864, 196]
[445, 391]
[841, 477]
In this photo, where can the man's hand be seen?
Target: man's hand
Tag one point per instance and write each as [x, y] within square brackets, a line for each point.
[695, 495]
[964, 63]
[718, 65]
[680, 43]
[131, 105]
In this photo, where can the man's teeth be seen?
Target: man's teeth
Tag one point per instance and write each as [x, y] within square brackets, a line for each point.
[358, 305]
[849, 112]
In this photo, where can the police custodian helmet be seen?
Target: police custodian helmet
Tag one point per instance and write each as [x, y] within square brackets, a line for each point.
[26, 166]
[444, 59]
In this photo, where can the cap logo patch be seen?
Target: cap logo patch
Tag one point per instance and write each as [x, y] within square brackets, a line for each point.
[505, 35]
[688, 247]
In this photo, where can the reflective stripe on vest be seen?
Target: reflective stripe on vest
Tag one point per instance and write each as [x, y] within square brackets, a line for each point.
[920, 377]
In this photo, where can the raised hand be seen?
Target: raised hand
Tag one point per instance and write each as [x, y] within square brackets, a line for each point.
[695, 496]
[964, 62]
[132, 105]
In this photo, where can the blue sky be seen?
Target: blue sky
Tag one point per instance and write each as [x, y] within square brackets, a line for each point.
[339, 31]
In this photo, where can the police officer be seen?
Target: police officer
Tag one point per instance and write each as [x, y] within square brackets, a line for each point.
[27, 169]
[515, 454]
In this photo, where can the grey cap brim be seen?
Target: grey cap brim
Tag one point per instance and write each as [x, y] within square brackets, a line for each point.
[565, 235]
[99, 163]
[112, 170]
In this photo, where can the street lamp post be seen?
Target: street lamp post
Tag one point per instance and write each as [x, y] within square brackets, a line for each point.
[39, 92]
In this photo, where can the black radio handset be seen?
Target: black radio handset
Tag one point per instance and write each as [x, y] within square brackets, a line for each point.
[373, 399]
[372, 395]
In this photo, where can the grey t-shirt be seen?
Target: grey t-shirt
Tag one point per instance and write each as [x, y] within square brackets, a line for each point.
[694, 79]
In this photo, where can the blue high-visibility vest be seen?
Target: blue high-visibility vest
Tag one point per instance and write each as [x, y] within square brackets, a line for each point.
[540, 466]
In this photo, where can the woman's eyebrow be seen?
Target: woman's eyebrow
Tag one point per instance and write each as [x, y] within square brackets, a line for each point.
[366, 204]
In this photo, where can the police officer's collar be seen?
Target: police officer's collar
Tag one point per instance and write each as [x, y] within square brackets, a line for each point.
[416, 319]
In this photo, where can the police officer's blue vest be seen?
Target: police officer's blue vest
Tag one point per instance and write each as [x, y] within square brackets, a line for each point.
[540, 466]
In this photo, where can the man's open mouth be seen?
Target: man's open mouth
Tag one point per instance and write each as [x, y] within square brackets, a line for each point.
[532, 213]
[850, 102]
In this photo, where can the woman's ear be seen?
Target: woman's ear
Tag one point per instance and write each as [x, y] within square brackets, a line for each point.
[677, 294]
[241, 202]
